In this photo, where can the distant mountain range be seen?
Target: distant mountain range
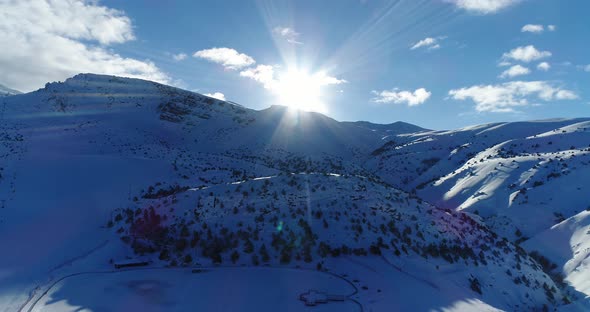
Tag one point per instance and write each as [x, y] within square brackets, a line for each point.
[5, 91]
[498, 212]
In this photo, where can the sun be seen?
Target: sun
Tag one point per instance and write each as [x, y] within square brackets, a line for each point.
[301, 90]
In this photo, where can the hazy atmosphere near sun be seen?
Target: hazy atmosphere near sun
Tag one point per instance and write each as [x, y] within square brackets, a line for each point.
[440, 64]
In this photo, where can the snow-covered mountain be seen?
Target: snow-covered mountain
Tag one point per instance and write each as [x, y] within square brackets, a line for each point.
[523, 179]
[6, 91]
[98, 169]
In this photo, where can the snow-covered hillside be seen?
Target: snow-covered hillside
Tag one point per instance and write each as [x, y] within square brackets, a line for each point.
[6, 91]
[522, 178]
[100, 169]
[567, 245]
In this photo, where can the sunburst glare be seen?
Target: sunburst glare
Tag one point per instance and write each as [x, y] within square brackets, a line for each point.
[299, 89]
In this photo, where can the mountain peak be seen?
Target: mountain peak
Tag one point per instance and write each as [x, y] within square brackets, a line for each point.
[395, 128]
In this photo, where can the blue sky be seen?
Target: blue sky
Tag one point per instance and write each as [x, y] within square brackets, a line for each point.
[438, 64]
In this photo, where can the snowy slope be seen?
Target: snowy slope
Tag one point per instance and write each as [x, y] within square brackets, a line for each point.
[522, 178]
[102, 168]
[567, 245]
[303, 218]
[503, 172]
[6, 91]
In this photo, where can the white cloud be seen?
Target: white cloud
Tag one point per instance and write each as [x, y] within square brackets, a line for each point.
[179, 56]
[263, 74]
[323, 80]
[54, 40]
[537, 28]
[483, 6]
[229, 58]
[429, 43]
[587, 68]
[566, 95]
[533, 28]
[526, 54]
[417, 97]
[288, 34]
[506, 96]
[544, 66]
[69, 19]
[516, 70]
[217, 95]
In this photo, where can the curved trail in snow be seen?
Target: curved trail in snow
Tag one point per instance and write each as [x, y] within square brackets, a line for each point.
[30, 309]
[34, 291]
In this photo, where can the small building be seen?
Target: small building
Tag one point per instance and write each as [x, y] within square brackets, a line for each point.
[130, 263]
[314, 297]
